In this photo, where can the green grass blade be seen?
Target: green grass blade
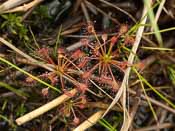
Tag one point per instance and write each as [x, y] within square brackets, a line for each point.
[154, 24]
[134, 28]
[30, 75]
[160, 31]
[153, 89]
[16, 91]
[7, 120]
[171, 73]
[57, 41]
[4, 105]
[157, 48]
[107, 125]
[149, 103]
[34, 39]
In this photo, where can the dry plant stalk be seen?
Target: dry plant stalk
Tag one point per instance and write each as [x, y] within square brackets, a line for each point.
[41, 110]
[24, 7]
[11, 46]
[11, 4]
[122, 91]
[130, 61]
[90, 121]
[161, 6]
[156, 127]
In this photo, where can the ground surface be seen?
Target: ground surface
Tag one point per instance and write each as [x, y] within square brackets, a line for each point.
[85, 45]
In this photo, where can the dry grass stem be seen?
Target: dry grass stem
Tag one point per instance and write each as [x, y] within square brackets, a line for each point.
[161, 6]
[41, 110]
[153, 101]
[84, 9]
[121, 10]
[11, 4]
[90, 121]
[103, 13]
[25, 55]
[134, 110]
[24, 7]
[102, 105]
[155, 127]
[130, 60]
[67, 32]
[122, 90]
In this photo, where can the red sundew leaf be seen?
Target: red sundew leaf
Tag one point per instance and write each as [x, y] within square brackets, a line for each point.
[104, 37]
[82, 87]
[82, 100]
[114, 40]
[43, 51]
[106, 80]
[61, 51]
[81, 106]
[123, 65]
[77, 54]
[129, 40]
[96, 51]
[68, 93]
[109, 81]
[140, 65]
[123, 29]
[86, 75]
[112, 82]
[90, 28]
[29, 80]
[76, 121]
[50, 61]
[45, 92]
[64, 111]
[83, 63]
[53, 78]
[44, 75]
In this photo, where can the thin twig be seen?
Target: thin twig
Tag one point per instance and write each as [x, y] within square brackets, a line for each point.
[85, 12]
[28, 13]
[77, 5]
[154, 127]
[91, 8]
[121, 10]
[103, 13]
[70, 31]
